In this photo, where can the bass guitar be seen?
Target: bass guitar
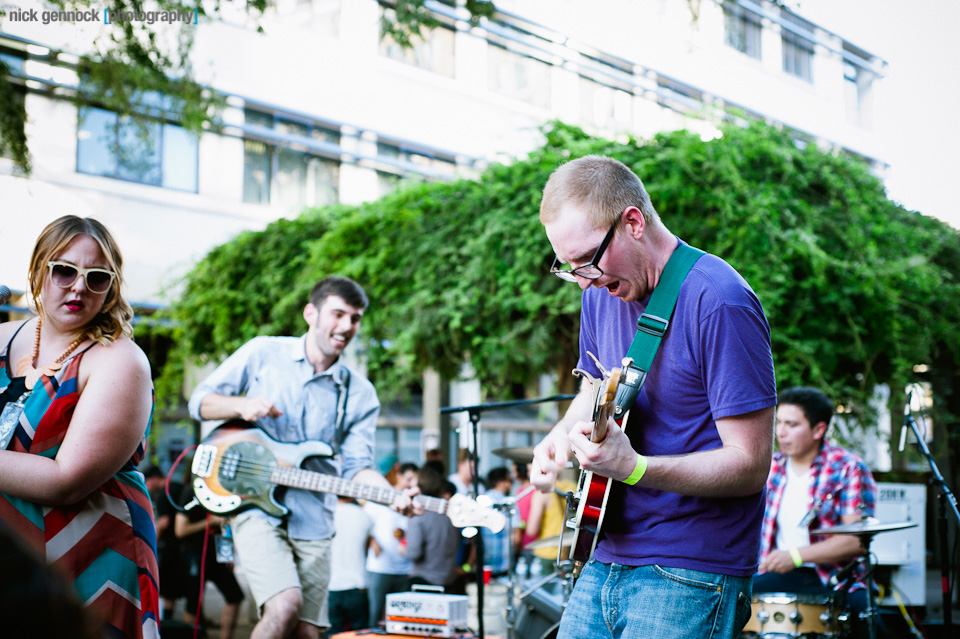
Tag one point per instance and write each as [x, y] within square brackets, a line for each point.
[589, 500]
[238, 466]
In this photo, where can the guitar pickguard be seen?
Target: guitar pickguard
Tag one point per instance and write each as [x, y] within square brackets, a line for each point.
[253, 478]
[238, 477]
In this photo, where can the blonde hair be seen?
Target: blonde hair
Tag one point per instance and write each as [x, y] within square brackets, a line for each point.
[603, 186]
[114, 318]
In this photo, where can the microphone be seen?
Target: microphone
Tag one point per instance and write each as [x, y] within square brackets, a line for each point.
[906, 416]
[844, 573]
[5, 294]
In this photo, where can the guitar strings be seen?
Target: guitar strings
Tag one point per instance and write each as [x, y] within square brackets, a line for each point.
[263, 471]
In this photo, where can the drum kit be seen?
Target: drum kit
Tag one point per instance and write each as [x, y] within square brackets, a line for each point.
[782, 615]
[534, 612]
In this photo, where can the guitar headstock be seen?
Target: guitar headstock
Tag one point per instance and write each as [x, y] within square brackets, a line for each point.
[606, 403]
[608, 390]
[464, 512]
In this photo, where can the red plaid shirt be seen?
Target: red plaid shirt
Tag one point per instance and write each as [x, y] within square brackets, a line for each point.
[842, 485]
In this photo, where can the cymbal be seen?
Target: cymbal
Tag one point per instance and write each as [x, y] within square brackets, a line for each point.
[522, 454]
[868, 526]
[550, 542]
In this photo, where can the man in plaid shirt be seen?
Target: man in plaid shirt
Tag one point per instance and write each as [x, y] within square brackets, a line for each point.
[813, 484]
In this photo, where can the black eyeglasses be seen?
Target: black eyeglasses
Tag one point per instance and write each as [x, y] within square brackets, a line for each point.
[590, 270]
[65, 275]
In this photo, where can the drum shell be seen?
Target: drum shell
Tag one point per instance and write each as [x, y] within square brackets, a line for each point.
[792, 615]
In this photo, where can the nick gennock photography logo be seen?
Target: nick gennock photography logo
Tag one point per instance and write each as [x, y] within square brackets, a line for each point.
[14, 14]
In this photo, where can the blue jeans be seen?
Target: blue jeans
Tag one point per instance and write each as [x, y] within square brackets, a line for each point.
[613, 601]
[347, 610]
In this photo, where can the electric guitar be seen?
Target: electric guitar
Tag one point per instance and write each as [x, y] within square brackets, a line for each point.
[593, 490]
[238, 466]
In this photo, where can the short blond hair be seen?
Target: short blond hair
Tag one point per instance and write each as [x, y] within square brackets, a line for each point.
[114, 319]
[601, 185]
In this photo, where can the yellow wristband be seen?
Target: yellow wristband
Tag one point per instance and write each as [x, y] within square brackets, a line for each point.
[638, 471]
[797, 559]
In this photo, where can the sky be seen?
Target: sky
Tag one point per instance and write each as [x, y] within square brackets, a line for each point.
[917, 100]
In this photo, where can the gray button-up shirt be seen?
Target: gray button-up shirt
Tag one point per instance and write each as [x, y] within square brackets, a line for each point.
[277, 368]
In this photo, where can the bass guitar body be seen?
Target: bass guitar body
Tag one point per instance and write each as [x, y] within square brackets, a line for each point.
[235, 467]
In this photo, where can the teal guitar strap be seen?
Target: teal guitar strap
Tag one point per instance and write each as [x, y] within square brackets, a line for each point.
[652, 326]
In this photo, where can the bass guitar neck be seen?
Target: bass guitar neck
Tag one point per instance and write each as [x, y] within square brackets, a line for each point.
[238, 466]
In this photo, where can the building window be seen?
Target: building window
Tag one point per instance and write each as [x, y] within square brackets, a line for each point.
[398, 162]
[797, 48]
[13, 60]
[798, 57]
[387, 183]
[148, 152]
[433, 52]
[13, 65]
[396, 443]
[741, 30]
[284, 167]
[599, 104]
[518, 76]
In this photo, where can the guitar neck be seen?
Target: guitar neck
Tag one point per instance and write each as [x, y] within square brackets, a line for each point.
[600, 424]
[604, 405]
[318, 482]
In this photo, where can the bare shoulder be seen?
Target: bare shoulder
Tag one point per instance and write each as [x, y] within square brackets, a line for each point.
[122, 357]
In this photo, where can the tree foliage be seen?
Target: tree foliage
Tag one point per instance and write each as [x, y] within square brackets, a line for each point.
[857, 290]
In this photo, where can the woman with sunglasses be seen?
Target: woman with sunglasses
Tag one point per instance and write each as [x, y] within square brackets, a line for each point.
[75, 408]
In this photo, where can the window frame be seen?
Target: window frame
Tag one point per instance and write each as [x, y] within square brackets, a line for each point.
[122, 131]
[747, 23]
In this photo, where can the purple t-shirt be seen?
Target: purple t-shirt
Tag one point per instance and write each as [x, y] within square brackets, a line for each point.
[714, 362]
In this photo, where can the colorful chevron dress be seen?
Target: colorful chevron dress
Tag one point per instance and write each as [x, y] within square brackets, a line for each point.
[106, 543]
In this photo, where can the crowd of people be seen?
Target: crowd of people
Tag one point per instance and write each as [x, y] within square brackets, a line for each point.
[375, 551]
[694, 462]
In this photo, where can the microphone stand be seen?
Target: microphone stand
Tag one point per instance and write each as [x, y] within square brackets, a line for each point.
[473, 413]
[944, 497]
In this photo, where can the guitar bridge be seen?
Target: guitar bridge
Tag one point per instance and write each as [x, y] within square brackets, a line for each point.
[203, 460]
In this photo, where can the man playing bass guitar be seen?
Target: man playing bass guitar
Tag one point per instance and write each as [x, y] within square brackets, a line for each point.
[298, 390]
[681, 533]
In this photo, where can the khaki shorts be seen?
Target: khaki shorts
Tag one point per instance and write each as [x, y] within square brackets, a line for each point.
[272, 563]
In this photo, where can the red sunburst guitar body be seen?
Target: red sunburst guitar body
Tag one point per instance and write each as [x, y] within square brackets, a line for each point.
[593, 490]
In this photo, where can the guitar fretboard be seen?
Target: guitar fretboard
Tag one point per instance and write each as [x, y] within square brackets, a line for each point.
[299, 478]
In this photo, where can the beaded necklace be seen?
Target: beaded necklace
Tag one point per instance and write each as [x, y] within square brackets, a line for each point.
[27, 365]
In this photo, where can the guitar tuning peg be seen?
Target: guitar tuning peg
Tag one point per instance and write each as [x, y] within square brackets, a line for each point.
[597, 362]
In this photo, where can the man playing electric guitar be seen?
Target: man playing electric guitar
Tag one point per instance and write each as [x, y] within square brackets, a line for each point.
[298, 390]
[681, 533]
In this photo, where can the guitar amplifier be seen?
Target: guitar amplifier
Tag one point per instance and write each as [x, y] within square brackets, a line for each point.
[426, 614]
[901, 554]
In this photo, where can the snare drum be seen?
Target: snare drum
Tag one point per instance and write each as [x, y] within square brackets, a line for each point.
[789, 615]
